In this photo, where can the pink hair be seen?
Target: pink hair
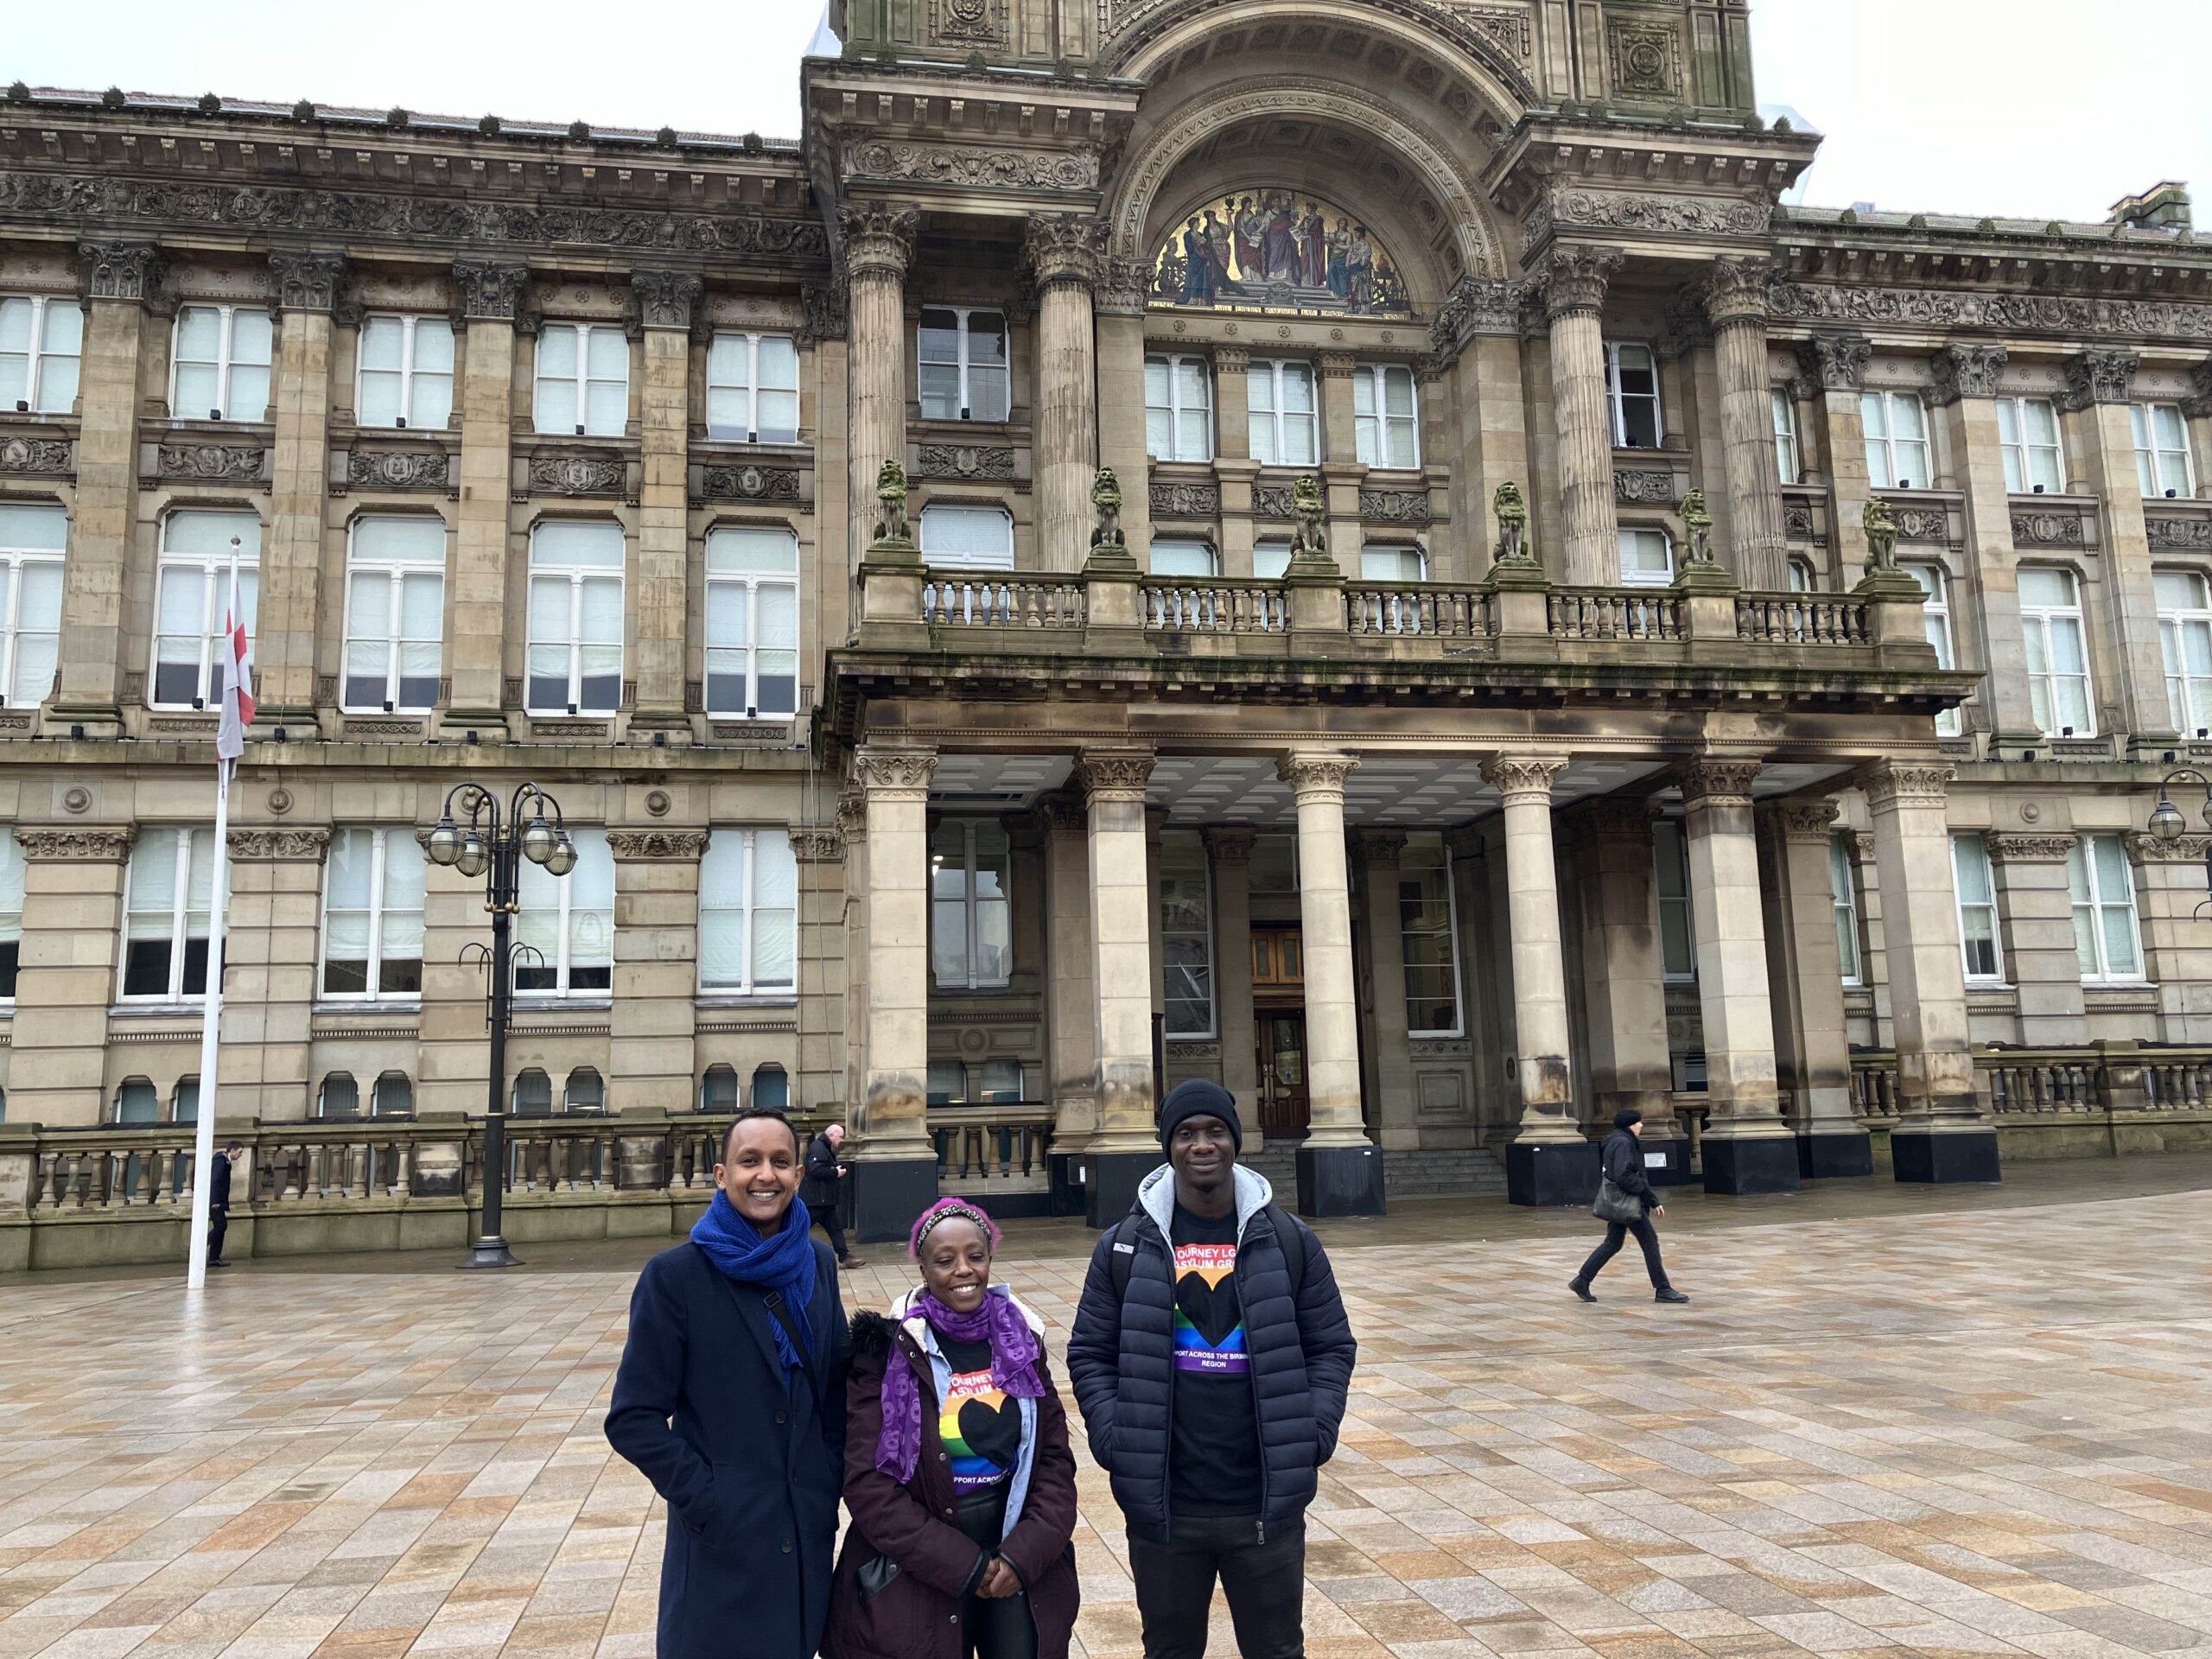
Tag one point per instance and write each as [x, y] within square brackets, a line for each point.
[949, 1210]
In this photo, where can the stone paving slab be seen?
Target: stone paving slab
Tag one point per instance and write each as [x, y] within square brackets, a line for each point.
[1970, 1427]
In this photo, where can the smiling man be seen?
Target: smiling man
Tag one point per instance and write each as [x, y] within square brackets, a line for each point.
[1212, 1357]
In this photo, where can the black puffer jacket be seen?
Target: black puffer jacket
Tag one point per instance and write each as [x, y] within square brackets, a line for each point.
[1121, 1357]
[1622, 1159]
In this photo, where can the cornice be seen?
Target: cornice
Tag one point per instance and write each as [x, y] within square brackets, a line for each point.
[1973, 311]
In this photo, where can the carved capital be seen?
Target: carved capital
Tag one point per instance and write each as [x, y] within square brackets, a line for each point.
[1734, 293]
[1575, 278]
[1337, 366]
[1521, 778]
[2014, 849]
[1380, 849]
[1122, 285]
[1906, 783]
[1964, 371]
[1230, 844]
[306, 282]
[636, 844]
[1466, 841]
[1316, 774]
[879, 238]
[1806, 820]
[1064, 248]
[2198, 404]
[1714, 781]
[818, 846]
[122, 270]
[1114, 774]
[1232, 359]
[1616, 816]
[490, 290]
[2099, 377]
[852, 817]
[280, 846]
[2144, 848]
[1837, 362]
[76, 846]
[1478, 305]
[666, 299]
[889, 774]
[827, 313]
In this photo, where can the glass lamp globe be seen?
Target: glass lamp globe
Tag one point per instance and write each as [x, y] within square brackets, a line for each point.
[445, 842]
[538, 840]
[562, 858]
[473, 857]
[2166, 820]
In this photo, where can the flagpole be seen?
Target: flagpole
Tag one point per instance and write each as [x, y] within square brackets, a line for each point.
[203, 1138]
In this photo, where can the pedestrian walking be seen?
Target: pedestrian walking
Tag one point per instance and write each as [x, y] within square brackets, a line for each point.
[730, 1398]
[219, 1201]
[823, 1191]
[1212, 1358]
[1626, 1203]
[957, 1471]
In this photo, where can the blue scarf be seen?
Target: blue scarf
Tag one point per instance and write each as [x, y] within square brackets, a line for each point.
[784, 1261]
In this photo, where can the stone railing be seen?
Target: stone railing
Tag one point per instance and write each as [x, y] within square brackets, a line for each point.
[986, 1149]
[2017, 1084]
[1214, 605]
[1802, 619]
[972, 599]
[1445, 610]
[1613, 614]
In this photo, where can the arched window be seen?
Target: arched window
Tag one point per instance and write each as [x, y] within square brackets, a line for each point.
[136, 1101]
[394, 1096]
[772, 1090]
[718, 1090]
[184, 1104]
[341, 1097]
[533, 1094]
[586, 1092]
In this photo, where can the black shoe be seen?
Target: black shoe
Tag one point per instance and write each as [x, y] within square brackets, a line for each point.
[1581, 1287]
[1669, 1294]
[218, 1261]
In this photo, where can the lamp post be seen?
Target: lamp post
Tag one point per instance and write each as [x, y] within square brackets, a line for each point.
[2166, 822]
[476, 838]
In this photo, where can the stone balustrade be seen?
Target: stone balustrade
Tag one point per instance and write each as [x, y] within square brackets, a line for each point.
[1213, 605]
[1802, 619]
[1441, 609]
[1613, 614]
[2107, 1096]
[959, 599]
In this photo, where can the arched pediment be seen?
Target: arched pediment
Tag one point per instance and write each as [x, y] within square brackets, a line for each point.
[1271, 247]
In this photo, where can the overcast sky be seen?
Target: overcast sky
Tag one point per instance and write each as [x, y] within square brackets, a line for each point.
[2044, 108]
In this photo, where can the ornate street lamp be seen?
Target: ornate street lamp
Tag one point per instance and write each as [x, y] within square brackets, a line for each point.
[2166, 822]
[474, 837]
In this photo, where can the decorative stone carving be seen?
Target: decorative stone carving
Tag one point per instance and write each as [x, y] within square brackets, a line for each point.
[2099, 377]
[1393, 507]
[113, 270]
[1838, 362]
[2146, 848]
[1230, 844]
[1380, 848]
[891, 506]
[1313, 774]
[2168, 532]
[894, 774]
[980, 22]
[2048, 528]
[304, 845]
[1575, 278]
[2028, 849]
[212, 463]
[1921, 524]
[1114, 774]
[1697, 529]
[1644, 486]
[1734, 293]
[1643, 214]
[1717, 781]
[356, 727]
[632, 845]
[666, 299]
[1807, 820]
[76, 846]
[974, 165]
[1477, 306]
[878, 238]
[1965, 371]
[1309, 542]
[817, 846]
[1646, 58]
[399, 469]
[964, 461]
[40, 455]
[747, 483]
[579, 474]
[1995, 313]
[1511, 512]
[1906, 783]
[2198, 404]
[1625, 816]
[1509, 29]
[826, 308]
[1271, 501]
[1522, 777]
[1880, 525]
[1106, 535]
[1122, 285]
[1064, 248]
[1185, 500]
[490, 290]
[306, 282]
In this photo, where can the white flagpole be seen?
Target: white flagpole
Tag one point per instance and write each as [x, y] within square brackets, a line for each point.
[203, 1139]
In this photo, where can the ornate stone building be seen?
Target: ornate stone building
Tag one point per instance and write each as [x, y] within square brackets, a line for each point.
[1408, 584]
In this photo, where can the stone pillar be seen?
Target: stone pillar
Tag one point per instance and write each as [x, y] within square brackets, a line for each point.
[822, 1030]
[2035, 910]
[1339, 442]
[1121, 425]
[1574, 298]
[1473, 890]
[1735, 304]
[121, 278]
[1964, 400]
[1550, 1161]
[1805, 976]
[893, 1165]
[878, 245]
[1125, 1148]
[73, 916]
[1747, 1146]
[1065, 252]
[1232, 393]
[289, 617]
[270, 947]
[659, 602]
[1339, 1170]
[491, 297]
[1072, 1009]
[2169, 885]
[1389, 1067]
[454, 1054]
[1836, 363]
[1624, 982]
[649, 1052]
[1231, 848]
[1941, 1135]
[852, 826]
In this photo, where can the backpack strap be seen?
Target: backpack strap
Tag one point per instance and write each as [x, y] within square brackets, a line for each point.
[1121, 1254]
[1291, 1237]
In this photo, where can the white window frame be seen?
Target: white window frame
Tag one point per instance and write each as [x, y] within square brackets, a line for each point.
[2177, 625]
[1458, 1026]
[42, 396]
[1882, 468]
[577, 422]
[14, 561]
[1843, 891]
[1788, 451]
[1271, 372]
[1185, 544]
[965, 361]
[2038, 620]
[751, 387]
[590, 843]
[11, 916]
[1645, 579]
[382, 839]
[2029, 463]
[1271, 551]
[213, 570]
[1970, 844]
[2159, 468]
[576, 576]
[1371, 432]
[1661, 830]
[225, 362]
[397, 571]
[1212, 1027]
[412, 375]
[970, 908]
[1617, 400]
[944, 512]
[1936, 612]
[2088, 896]
[1803, 577]
[1175, 410]
[753, 583]
[180, 838]
[747, 913]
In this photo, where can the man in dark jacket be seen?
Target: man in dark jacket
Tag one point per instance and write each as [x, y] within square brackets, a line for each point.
[1211, 1357]
[1622, 1160]
[824, 1189]
[219, 1201]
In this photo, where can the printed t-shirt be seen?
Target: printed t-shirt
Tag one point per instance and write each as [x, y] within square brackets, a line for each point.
[1214, 1463]
[980, 1426]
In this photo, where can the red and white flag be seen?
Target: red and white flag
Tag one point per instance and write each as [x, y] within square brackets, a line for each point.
[238, 676]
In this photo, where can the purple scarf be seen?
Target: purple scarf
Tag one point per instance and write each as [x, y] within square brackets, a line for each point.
[1014, 1353]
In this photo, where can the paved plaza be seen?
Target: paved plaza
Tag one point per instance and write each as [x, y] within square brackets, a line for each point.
[1966, 1423]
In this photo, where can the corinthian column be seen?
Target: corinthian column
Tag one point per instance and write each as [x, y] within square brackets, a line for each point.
[1575, 296]
[895, 1167]
[1735, 304]
[1065, 252]
[879, 243]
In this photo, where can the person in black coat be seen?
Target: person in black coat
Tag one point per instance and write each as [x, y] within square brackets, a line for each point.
[1622, 1160]
[1212, 1358]
[821, 1192]
[730, 1398]
[219, 1201]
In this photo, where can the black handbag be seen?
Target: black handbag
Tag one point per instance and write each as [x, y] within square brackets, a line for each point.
[1613, 1205]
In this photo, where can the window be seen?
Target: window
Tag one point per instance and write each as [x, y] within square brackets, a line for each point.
[772, 1088]
[11, 913]
[32, 539]
[1271, 561]
[1392, 564]
[1896, 439]
[2058, 665]
[2185, 635]
[1802, 577]
[1977, 908]
[406, 375]
[586, 1093]
[576, 619]
[394, 1097]
[1843, 883]
[970, 539]
[567, 921]
[963, 365]
[1787, 456]
[583, 379]
[184, 1104]
[947, 1083]
[166, 913]
[220, 366]
[752, 622]
[1632, 392]
[42, 337]
[341, 1097]
[1647, 558]
[1186, 935]
[193, 598]
[1177, 409]
[749, 912]
[1424, 917]
[372, 914]
[2162, 449]
[394, 614]
[1936, 612]
[1671, 867]
[1001, 1084]
[1171, 558]
[752, 388]
[718, 1090]
[1285, 422]
[533, 1094]
[1385, 427]
[2104, 910]
[972, 942]
[136, 1101]
[2027, 428]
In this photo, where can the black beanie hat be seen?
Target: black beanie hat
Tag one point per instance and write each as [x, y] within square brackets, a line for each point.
[1626, 1115]
[1198, 1098]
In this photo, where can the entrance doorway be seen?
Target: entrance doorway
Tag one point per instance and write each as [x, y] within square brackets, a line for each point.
[1279, 1027]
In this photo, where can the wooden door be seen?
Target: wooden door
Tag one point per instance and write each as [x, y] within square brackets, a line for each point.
[1283, 1099]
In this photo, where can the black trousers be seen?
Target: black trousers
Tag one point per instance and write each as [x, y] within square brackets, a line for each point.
[218, 1221]
[826, 1219]
[992, 1627]
[1265, 1584]
[1615, 1231]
